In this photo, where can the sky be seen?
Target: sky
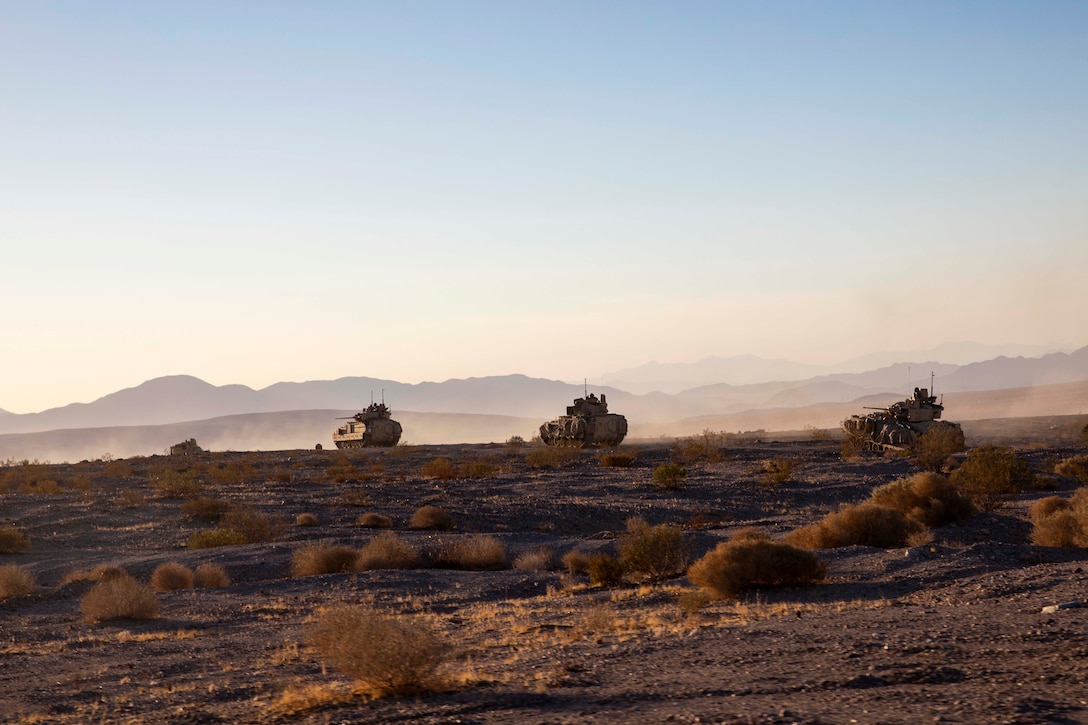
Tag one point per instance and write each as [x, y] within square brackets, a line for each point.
[254, 192]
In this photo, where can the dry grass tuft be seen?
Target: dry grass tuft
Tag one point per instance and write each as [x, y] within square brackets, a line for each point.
[670, 477]
[737, 566]
[937, 444]
[551, 457]
[315, 559]
[371, 520]
[387, 655]
[387, 551]
[659, 551]
[441, 468]
[928, 498]
[777, 470]
[431, 517]
[479, 552]
[605, 570]
[1074, 467]
[209, 575]
[990, 475]
[12, 541]
[542, 558]
[99, 573]
[866, 524]
[120, 597]
[257, 528]
[1061, 522]
[15, 581]
[306, 520]
[207, 508]
[703, 448]
[211, 538]
[619, 459]
[1045, 507]
[576, 562]
[171, 576]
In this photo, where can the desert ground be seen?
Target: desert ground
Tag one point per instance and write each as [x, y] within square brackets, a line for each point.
[973, 625]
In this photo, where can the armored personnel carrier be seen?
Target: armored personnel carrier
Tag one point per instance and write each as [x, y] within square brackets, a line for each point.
[373, 427]
[897, 427]
[587, 423]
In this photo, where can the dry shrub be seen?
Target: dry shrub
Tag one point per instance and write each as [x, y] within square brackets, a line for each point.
[866, 524]
[937, 444]
[354, 496]
[117, 469]
[171, 482]
[316, 559]
[551, 457]
[618, 460]
[306, 520]
[777, 470]
[41, 486]
[658, 551]
[477, 468]
[387, 551]
[120, 597]
[990, 475]
[211, 538]
[478, 552]
[257, 528]
[441, 468]
[1075, 467]
[736, 566]
[343, 473]
[232, 473]
[692, 601]
[210, 575]
[12, 541]
[99, 573]
[576, 562]
[171, 576]
[371, 520]
[604, 569]
[515, 442]
[928, 498]
[79, 483]
[705, 447]
[15, 581]
[386, 654]
[1061, 528]
[131, 498]
[207, 508]
[1050, 505]
[431, 517]
[542, 558]
[670, 477]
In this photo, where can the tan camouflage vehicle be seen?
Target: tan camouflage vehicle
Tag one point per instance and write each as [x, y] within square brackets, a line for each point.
[897, 427]
[373, 427]
[186, 448]
[587, 423]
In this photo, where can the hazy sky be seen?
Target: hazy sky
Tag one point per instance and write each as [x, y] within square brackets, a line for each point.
[252, 192]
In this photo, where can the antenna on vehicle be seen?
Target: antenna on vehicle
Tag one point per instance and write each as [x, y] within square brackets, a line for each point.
[372, 396]
[585, 387]
[383, 396]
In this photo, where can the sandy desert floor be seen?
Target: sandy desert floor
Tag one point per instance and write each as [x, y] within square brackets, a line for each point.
[951, 631]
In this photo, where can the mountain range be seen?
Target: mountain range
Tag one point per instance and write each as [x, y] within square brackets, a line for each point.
[510, 402]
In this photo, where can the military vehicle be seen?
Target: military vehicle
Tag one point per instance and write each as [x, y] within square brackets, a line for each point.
[897, 427]
[186, 448]
[587, 423]
[373, 427]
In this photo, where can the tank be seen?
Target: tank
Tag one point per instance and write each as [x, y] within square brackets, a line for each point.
[587, 423]
[373, 427]
[897, 427]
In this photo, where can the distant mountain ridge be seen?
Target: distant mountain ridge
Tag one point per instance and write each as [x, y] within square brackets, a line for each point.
[180, 398]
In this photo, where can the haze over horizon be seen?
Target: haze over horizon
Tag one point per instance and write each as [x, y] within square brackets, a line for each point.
[254, 193]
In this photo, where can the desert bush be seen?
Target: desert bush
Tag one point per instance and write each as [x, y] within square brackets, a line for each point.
[670, 476]
[117, 469]
[477, 468]
[431, 517]
[817, 434]
[343, 473]
[441, 468]
[852, 446]
[15, 581]
[232, 473]
[120, 597]
[41, 487]
[386, 654]
[990, 475]
[172, 483]
[1050, 505]
[479, 552]
[1061, 528]
[515, 442]
[937, 444]
[928, 498]
[387, 551]
[692, 601]
[866, 524]
[371, 520]
[705, 447]
[12, 541]
[210, 575]
[316, 559]
[604, 570]
[618, 459]
[551, 457]
[207, 508]
[210, 538]
[306, 520]
[171, 576]
[98, 573]
[79, 483]
[353, 496]
[1074, 467]
[576, 562]
[257, 528]
[777, 470]
[130, 498]
[658, 551]
[541, 558]
[737, 566]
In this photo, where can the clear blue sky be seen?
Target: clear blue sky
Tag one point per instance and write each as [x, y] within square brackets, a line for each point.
[254, 192]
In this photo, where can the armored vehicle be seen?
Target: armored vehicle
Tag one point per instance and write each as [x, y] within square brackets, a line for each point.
[373, 427]
[186, 448]
[587, 423]
[897, 427]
